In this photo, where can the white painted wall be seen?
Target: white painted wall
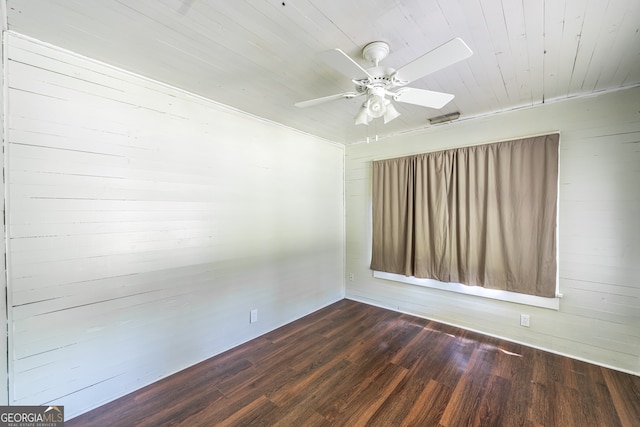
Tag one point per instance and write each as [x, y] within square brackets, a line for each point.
[599, 230]
[146, 223]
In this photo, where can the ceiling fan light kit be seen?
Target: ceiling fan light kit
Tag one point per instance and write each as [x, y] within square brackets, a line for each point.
[376, 83]
[375, 106]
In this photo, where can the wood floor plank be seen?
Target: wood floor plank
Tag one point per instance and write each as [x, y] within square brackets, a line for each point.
[416, 348]
[360, 376]
[491, 411]
[435, 355]
[625, 394]
[314, 375]
[466, 398]
[394, 409]
[301, 416]
[517, 370]
[353, 364]
[429, 406]
[359, 408]
[316, 392]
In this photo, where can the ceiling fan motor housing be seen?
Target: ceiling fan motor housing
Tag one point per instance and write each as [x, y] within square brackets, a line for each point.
[375, 52]
[380, 77]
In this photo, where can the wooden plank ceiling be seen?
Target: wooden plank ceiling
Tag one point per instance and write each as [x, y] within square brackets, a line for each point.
[259, 56]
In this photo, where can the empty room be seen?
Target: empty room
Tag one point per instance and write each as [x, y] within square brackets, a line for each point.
[321, 213]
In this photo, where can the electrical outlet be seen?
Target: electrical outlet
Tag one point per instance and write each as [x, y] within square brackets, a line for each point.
[350, 277]
[524, 320]
[253, 318]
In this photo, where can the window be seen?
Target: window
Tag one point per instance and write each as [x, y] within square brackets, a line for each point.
[481, 216]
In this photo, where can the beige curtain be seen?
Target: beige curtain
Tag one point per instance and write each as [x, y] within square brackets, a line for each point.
[483, 215]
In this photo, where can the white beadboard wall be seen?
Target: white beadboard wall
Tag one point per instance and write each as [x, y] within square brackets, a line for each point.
[599, 230]
[144, 224]
[4, 392]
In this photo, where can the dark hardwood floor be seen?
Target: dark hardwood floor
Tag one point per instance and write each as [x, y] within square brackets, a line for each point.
[352, 364]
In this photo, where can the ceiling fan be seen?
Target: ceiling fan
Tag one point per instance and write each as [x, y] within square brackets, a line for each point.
[378, 82]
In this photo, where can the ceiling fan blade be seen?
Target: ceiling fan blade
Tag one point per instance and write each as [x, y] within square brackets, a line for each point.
[425, 98]
[316, 101]
[344, 63]
[444, 55]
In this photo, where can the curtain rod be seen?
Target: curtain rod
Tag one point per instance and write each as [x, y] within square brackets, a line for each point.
[472, 145]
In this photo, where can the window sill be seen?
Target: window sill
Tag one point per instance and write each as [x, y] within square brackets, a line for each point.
[550, 303]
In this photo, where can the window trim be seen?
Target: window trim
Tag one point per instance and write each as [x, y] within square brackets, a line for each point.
[515, 297]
